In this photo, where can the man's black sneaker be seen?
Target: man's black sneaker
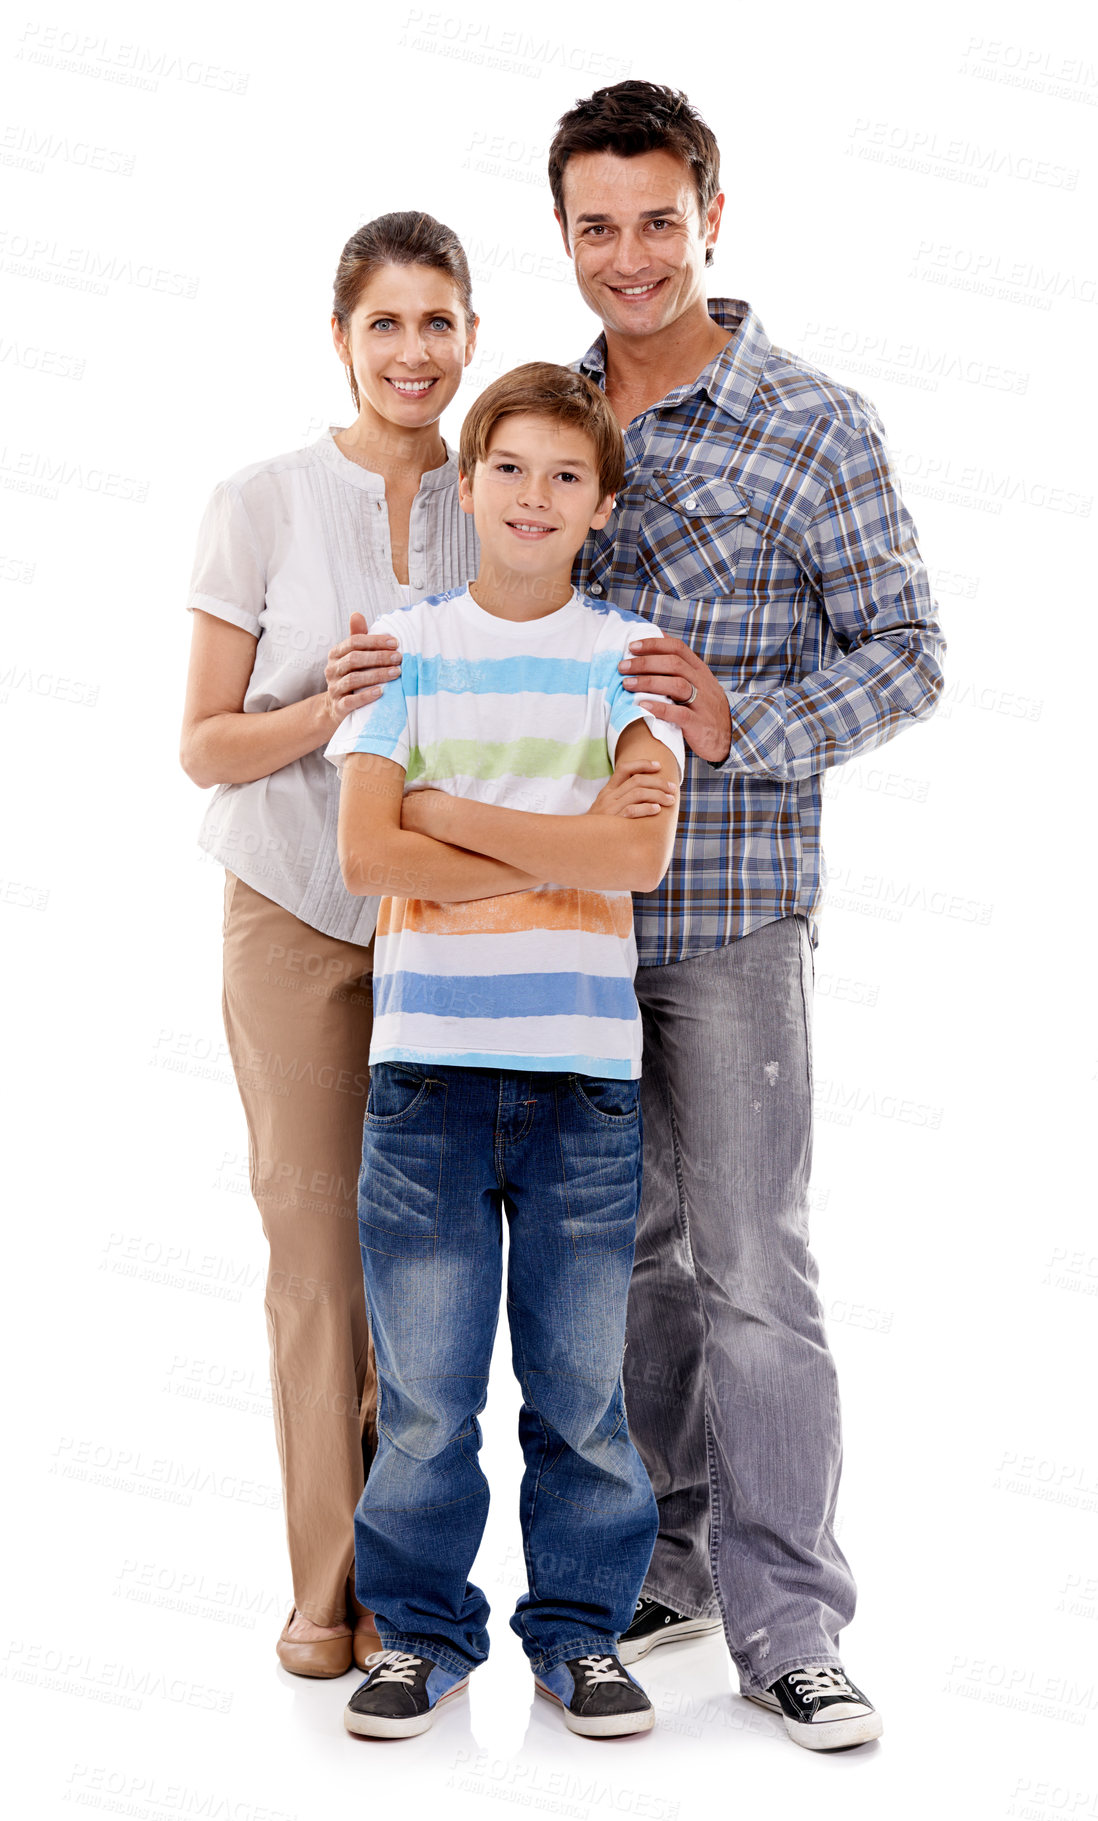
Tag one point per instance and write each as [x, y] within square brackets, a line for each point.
[654, 1624]
[600, 1699]
[822, 1709]
[399, 1696]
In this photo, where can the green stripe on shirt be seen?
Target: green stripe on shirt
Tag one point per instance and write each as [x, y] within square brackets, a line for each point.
[529, 758]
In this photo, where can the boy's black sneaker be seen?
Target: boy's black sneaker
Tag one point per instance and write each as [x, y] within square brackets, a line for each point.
[654, 1624]
[399, 1696]
[822, 1709]
[600, 1699]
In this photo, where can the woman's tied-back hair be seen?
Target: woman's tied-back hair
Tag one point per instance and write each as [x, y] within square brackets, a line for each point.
[407, 237]
[541, 389]
[631, 118]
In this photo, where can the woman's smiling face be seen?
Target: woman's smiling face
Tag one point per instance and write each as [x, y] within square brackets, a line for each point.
[408, 341]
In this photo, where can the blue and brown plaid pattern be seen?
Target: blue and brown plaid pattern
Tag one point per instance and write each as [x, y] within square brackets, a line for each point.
[760, 522]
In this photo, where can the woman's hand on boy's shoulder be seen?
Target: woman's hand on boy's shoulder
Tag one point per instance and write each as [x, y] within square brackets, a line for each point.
[358, 669]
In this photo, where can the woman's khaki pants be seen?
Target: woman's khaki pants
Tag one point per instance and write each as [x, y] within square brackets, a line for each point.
[298, 1009]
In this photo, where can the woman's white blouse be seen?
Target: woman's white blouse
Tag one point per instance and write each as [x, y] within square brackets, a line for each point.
[288, 550]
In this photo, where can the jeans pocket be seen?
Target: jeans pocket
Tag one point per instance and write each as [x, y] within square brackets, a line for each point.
[614, 1102]
[403, 1142]
[397, 1092]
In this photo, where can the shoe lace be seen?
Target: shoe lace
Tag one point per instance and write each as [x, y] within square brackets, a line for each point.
[603, 1669]
[825, 1680]
[399, 1666]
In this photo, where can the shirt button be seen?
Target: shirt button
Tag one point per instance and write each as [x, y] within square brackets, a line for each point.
[595, 588]
[690, 505]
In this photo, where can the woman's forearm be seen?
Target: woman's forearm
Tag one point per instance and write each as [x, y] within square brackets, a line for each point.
[238, 748]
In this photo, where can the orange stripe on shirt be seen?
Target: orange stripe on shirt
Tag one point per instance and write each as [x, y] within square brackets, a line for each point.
[567, 907]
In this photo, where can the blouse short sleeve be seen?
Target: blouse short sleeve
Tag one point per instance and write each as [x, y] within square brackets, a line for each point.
[228, 579]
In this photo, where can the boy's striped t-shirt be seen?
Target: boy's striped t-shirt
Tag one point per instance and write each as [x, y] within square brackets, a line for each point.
[526, 715]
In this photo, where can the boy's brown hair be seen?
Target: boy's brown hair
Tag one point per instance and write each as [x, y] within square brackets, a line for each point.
[541, 389]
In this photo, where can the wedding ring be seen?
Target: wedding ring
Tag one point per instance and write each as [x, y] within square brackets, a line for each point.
[689, 702]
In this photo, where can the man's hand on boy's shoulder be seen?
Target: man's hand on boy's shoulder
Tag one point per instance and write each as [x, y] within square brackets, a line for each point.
[695, 700]
[637, 788]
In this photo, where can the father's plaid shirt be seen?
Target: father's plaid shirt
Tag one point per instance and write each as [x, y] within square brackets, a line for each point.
[761, 524]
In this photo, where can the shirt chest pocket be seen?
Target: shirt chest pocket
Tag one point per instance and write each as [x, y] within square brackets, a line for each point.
[691, 533]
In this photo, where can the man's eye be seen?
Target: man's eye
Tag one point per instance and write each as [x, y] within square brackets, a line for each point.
[596, 228]
[659, 223]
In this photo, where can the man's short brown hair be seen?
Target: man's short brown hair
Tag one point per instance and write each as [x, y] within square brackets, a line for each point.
[631, 118]
[541, 389]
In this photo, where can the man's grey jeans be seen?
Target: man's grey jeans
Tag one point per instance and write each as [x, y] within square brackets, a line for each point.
[731, 1390]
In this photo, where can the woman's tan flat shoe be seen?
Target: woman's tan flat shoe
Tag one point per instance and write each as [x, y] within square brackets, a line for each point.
[316, 1656]
[366, 1640]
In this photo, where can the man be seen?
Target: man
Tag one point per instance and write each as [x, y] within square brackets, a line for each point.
[761, 529]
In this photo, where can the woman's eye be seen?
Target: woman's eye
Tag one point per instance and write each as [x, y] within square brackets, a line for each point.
[383, 322]
[440, 322]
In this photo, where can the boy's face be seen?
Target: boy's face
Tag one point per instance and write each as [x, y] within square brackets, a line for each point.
[535, 496]
[634, 231]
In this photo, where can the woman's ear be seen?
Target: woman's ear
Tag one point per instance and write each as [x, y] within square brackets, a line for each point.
[471, 340]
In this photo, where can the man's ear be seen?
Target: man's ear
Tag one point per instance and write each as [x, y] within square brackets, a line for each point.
[563, 226]
[605, 508]
[713, 220]
[465, 493]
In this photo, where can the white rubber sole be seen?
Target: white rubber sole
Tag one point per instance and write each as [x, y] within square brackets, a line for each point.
[379, 1726]
[824, 1735]
[671, 1634]
[610, 1726]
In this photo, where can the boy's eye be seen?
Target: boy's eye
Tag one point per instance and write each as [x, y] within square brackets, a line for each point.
[507, 467]
[565, 475]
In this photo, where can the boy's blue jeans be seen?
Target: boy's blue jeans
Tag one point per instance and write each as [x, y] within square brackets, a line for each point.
[443, 1149]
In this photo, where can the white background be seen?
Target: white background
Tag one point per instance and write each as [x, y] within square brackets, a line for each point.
[909, 203]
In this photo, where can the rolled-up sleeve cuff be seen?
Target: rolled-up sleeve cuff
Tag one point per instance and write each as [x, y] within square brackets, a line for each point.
[226, 610]
[758, 736]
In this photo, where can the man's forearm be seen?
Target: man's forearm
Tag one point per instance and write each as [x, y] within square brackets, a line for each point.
[595, 853]
[853, 706]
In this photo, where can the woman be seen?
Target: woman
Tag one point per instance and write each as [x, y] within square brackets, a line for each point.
[290, 553]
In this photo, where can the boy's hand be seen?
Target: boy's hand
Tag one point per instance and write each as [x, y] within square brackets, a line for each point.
[358, 667]
[636, 789]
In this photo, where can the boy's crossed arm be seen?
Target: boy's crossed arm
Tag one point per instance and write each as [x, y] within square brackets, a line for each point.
[604, 850]
[451, 850]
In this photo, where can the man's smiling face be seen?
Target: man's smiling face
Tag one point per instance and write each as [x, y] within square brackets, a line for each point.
[635, 232]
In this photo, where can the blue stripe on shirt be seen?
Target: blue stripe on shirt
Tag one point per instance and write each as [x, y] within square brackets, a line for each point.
[505, 995]
[519, 675]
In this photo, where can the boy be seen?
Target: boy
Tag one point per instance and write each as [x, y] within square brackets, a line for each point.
[504, 1067]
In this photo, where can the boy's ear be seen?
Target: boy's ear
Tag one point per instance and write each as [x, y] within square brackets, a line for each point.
[605, 508]
[465, 493]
